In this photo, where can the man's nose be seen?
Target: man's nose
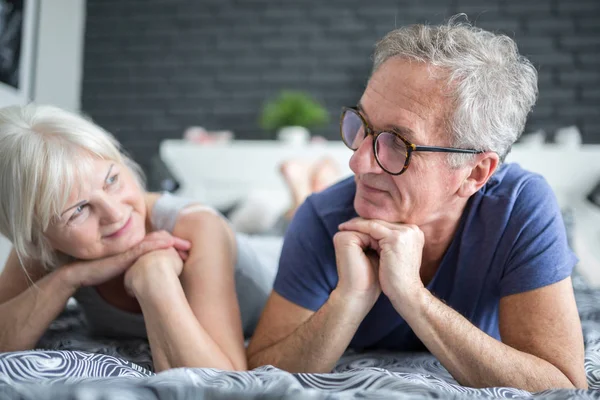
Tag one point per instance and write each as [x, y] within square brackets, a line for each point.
[363, 160]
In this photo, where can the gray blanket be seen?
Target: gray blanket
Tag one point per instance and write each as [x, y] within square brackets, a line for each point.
[73, 365]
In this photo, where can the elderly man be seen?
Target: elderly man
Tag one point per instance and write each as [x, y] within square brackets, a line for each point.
[433, 243]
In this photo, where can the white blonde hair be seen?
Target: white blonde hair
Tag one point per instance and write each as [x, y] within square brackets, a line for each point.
[493, 87]
[44, 151]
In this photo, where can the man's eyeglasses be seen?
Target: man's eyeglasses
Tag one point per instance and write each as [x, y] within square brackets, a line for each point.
[391, 150]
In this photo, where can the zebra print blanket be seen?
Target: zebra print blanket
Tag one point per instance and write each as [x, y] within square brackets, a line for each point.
[75, 366]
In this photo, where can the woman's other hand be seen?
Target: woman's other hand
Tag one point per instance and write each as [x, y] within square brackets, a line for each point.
[91, 273]
[151, 269]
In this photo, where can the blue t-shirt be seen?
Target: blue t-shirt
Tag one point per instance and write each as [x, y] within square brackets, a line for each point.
[511, 239]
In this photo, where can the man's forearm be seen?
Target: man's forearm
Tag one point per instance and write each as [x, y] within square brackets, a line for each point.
[470, 355]
[26, 317]
[317, 344]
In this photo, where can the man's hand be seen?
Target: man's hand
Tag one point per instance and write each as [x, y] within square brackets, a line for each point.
[95, 272]
[399, 248]
[357, 267]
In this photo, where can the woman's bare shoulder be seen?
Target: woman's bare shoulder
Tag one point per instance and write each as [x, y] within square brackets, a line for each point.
[197, 218]
[188, 216]
[150, 199]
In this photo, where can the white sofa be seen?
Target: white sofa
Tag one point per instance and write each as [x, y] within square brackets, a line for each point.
[225, 173]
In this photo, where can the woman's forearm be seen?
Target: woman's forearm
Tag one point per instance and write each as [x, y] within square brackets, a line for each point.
[176, 337]
[25, 317]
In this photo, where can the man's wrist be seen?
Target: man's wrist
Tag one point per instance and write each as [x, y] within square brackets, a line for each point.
[412, 303]
[356, 308]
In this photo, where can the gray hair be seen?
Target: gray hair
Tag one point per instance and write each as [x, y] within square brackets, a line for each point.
[493, 87]
[44, 151]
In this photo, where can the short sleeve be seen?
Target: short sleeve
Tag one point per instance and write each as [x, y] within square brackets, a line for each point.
[540, 254]
[307, 272]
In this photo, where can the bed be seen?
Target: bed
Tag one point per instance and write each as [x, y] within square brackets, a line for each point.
[70, 363]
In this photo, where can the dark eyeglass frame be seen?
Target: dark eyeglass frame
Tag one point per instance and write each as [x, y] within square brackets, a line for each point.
[410, 147]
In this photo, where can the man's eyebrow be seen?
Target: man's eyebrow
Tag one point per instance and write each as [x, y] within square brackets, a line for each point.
[82, 202]
[403, 131]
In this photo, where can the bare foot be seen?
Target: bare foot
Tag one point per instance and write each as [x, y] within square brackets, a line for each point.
[324, 173]
[296, 174]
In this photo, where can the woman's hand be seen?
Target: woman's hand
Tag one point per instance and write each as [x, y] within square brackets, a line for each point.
[95, 272]
[151, 267]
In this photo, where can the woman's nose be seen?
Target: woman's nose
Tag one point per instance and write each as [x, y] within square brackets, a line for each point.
[112, 210]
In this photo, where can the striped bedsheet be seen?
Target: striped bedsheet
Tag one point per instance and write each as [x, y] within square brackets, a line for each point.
[71, 364]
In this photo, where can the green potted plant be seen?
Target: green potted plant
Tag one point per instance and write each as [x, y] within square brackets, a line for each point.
[291, 115]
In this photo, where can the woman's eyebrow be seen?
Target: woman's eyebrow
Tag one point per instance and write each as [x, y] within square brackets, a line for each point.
[82, 202]
[108, 173]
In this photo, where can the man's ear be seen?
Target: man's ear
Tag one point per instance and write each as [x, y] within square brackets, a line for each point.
[485, 165]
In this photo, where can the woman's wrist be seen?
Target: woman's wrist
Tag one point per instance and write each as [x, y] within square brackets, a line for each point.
[146, 280]
[69, 277]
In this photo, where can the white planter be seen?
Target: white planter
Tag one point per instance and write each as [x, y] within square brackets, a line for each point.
[294, 135]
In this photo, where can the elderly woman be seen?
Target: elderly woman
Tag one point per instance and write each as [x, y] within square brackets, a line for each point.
[140, 264]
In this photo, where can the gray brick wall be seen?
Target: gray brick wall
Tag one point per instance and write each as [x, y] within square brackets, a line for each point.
[154, 67]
